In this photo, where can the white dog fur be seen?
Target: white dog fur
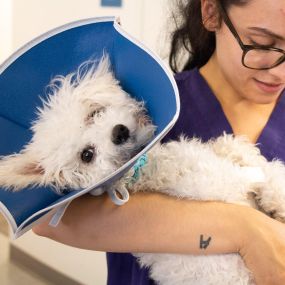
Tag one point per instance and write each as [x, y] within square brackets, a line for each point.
[75, 144]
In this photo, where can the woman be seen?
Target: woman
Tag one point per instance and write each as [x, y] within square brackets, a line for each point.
[233, 81]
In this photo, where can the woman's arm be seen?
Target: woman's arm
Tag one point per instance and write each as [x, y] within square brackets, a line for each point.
[150, 223]
[158, 223]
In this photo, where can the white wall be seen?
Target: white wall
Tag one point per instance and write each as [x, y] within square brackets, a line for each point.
[21, 21]
[33, 17]
[143, 19]
[156, 25]
[5, 28]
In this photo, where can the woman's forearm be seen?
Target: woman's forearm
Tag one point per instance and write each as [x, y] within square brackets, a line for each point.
[150, 223]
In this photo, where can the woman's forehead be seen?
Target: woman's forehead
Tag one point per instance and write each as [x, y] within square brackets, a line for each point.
[268, 14]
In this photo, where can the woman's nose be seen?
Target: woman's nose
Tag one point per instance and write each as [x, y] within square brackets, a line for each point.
[278, 71]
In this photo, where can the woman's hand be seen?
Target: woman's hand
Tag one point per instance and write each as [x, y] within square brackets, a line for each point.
[263, 249]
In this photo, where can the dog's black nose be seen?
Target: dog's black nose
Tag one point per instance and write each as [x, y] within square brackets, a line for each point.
[120, 134]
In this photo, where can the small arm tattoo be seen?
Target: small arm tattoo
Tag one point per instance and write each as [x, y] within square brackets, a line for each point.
[204, 243]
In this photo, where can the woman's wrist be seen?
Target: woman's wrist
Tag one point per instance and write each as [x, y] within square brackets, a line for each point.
[232, 229]
[250, 223]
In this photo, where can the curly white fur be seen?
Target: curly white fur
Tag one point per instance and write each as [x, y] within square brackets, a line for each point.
[83, 110]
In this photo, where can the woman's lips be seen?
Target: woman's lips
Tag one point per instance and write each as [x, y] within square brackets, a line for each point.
[269, 87]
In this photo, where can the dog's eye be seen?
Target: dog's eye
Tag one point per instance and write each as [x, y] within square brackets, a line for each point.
[97, 112]
[87, 155]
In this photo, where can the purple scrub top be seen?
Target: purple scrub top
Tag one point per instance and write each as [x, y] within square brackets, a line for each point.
[201, 116]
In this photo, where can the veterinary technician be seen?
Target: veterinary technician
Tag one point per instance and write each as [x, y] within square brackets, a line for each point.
[233, 81]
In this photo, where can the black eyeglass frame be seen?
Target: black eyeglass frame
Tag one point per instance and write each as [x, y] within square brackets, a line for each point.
[247, 48]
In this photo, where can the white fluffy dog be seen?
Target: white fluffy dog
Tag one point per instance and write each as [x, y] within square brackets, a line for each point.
[89, 127]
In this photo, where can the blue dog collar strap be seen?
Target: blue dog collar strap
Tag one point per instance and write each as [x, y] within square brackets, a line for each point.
[141, 162]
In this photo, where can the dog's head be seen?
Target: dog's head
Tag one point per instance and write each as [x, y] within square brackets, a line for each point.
[86, 129]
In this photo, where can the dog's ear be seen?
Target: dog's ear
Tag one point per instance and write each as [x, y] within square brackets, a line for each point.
[18, 171]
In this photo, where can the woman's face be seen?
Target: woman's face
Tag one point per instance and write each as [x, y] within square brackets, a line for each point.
[259, 22]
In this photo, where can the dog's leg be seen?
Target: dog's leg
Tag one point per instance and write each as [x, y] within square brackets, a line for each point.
[270, 197]
[238, 149]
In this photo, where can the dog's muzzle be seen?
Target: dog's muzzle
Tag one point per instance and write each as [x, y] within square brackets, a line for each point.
[120, 134]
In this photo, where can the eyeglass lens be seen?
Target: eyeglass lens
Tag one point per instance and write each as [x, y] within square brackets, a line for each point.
[261, 58]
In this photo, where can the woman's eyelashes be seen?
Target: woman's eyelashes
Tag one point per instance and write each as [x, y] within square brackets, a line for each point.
[263, 44]
[265, 41]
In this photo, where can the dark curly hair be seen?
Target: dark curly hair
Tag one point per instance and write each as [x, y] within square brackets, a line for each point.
[191, 34]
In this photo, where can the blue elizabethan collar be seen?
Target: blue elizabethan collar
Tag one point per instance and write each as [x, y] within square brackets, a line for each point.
[25, 75]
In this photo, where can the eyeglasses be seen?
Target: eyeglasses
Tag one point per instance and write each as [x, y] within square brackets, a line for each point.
[255, 56]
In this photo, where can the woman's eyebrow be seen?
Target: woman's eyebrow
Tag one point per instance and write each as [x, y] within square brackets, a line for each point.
[267, 32]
